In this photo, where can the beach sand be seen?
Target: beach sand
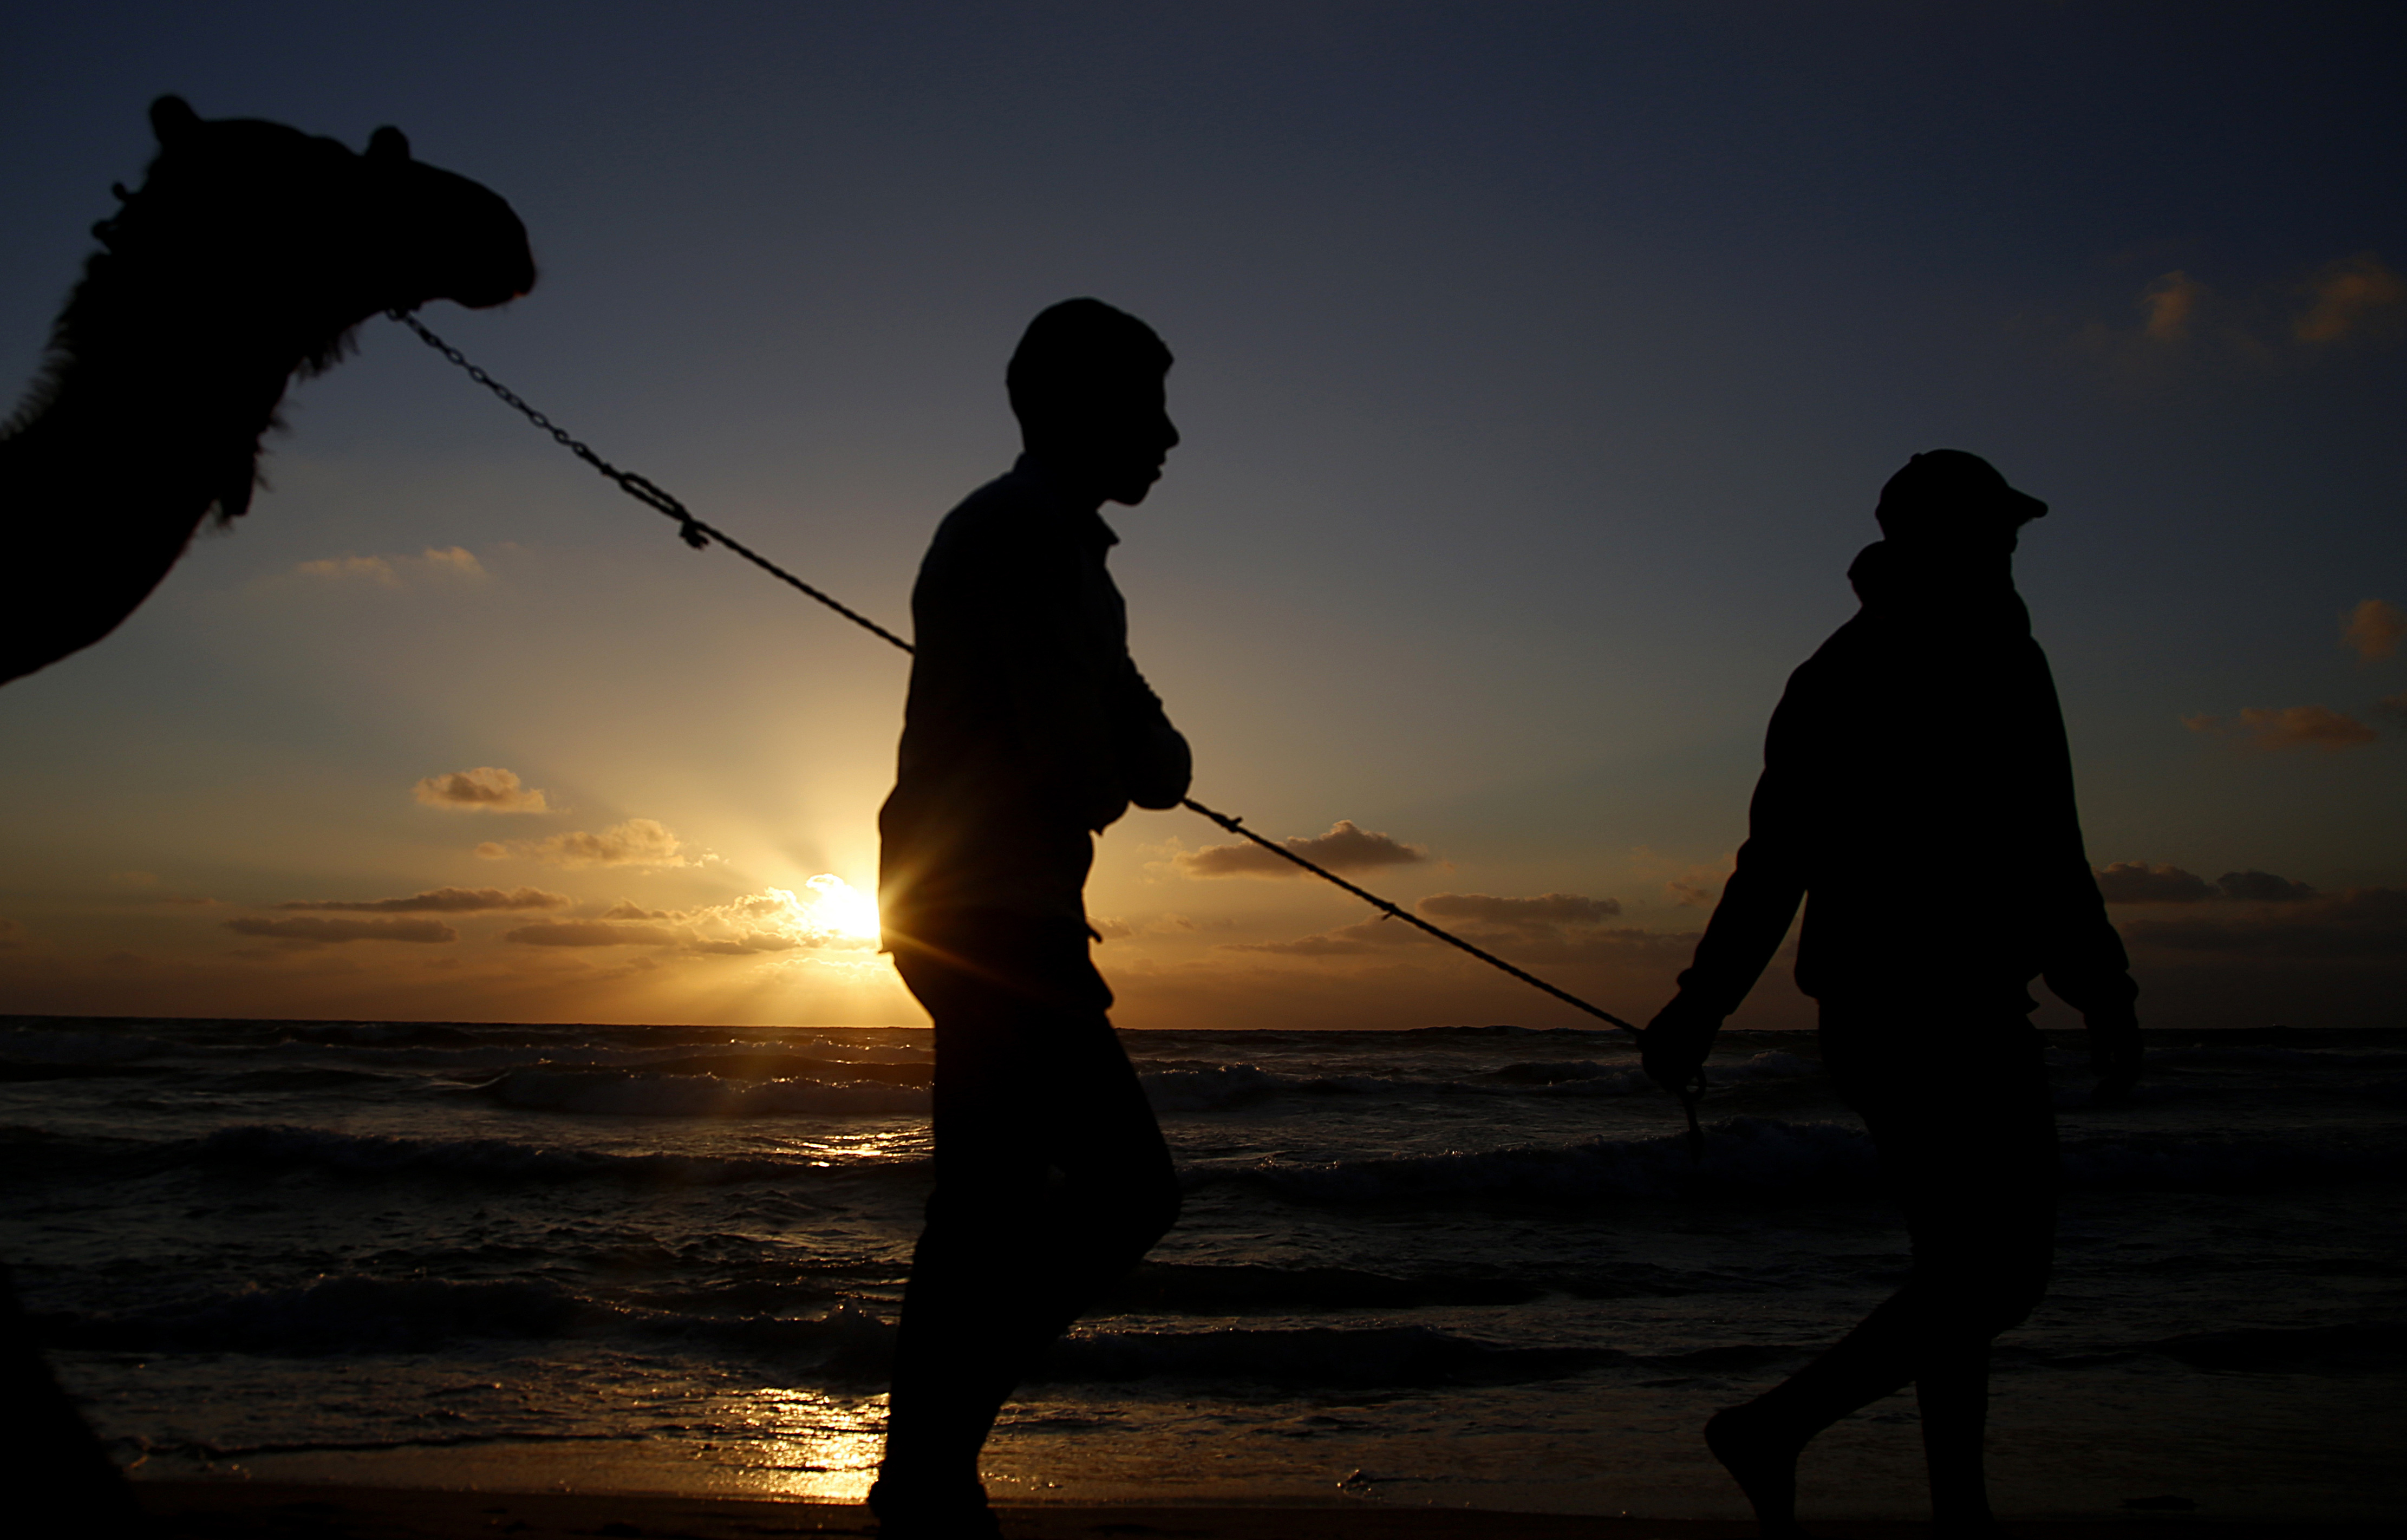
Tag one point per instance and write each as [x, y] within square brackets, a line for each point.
[204, 1510]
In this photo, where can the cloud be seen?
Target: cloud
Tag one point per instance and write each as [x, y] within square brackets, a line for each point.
[2394, 707]
[756, 942]
[12, 933]
[2293, 727]
[344, 930]
[825, 913]
[1688, 895]
[589, 933]
[2137, 882]
[2169, 301]
[2374, 628]
[2262, 888]
[2362, 922]
[1551, 927]
[1344, 848]
[396, 572]
[1368, 935]
[487, 788]
[441, 901]
[1546, 910]
[2348, 295]
[638, 842]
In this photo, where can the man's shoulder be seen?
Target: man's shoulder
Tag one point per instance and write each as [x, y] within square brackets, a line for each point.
[1013, 506]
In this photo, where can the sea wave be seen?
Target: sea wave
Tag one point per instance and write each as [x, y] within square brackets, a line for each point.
[1357, 1357]
[49, 1046]
[1742, 1155]
[358, 1314]
[284, 1146]
[1210, 1088]
[1764, 1158]
[621, 1092]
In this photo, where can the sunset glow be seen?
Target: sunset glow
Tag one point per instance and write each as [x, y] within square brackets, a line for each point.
[1534, 407]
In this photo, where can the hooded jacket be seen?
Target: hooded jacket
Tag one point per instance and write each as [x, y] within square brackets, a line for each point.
[1918, 797]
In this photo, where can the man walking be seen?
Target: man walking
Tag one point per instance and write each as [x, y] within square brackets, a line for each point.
[1027, 731]
[1917, 785]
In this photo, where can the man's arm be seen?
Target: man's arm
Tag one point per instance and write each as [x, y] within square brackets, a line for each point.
[2086, 965]
[1092, 735]
[1757, 905]
[1155, 764]
[2089, 971]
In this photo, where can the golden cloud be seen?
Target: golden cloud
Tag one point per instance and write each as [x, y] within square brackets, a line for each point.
[2137, 882]
[441, 901]
[2374, 628]
[589, 933]
[344, 930]
[487, 788]
[2262, 888]
[638, 842]
[1546, 909]
[1344, 941]
[2169, 301]
[2347, 297]
[1551, 927]
[395, 572]
[2292, 727]
[1344, 848]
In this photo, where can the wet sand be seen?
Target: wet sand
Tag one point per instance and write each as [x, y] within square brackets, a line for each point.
[211, 1510]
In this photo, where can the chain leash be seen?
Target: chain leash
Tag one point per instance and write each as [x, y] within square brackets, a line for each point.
[700, 536]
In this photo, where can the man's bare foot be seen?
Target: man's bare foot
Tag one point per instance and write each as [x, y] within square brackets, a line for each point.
[1761, 1457]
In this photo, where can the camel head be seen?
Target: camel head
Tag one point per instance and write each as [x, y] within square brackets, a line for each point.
[293, 240]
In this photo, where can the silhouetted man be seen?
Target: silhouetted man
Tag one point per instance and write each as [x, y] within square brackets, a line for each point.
[1027, 731]
[1917, 794]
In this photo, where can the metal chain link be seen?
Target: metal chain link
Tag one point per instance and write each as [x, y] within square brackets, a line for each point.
[699, 535]
[693, 531]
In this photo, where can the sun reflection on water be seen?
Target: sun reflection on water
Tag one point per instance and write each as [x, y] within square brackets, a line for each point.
[865, 1146]
[802, 1443]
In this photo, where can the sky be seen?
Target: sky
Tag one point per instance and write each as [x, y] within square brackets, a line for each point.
[1538, 368]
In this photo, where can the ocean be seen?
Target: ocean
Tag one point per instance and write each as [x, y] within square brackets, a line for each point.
[1452, 1265]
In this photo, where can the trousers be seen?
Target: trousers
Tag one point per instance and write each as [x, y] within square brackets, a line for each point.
[1052, 1176]
[1957, 1104]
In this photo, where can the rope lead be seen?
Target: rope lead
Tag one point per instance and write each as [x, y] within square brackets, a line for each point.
[694, 533]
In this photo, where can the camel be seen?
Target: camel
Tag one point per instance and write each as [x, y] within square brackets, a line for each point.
[249, 254]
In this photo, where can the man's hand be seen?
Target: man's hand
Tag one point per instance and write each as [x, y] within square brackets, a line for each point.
[2114, 1055]
[1673, 1046]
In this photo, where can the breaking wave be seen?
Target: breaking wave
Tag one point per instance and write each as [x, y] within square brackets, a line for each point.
[1764, 1158]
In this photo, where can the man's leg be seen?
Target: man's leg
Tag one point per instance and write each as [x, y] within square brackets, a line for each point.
[1965, 1135]
[1030, 1078]
[1984, 1233]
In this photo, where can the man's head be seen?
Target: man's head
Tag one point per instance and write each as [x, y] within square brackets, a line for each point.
[1946, 500]
[1086, 386]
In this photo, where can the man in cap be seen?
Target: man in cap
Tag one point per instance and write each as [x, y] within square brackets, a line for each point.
[1921, 746]
[1027, 731]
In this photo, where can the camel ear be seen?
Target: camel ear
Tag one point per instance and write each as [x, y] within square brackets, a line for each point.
[388, 143]
[171, 119]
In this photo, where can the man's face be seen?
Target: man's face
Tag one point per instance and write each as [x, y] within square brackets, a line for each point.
[1116, 442]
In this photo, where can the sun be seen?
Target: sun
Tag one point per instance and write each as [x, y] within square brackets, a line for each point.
[839, 907]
